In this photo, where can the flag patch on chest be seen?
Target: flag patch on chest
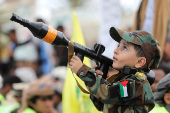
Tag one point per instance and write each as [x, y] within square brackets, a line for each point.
[124, 88]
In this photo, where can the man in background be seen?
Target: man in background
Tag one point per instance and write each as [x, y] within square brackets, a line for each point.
[4, 54]
[38, 97]
[162, 96]
[7, 86]
[61, 52]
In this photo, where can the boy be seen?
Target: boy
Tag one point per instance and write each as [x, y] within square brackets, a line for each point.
[130, 92]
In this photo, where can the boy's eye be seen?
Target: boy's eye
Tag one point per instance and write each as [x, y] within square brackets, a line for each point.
[124, 48]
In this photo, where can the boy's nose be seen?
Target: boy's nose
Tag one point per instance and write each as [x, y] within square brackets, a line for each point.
[116, 51]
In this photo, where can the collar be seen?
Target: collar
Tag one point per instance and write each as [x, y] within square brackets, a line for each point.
[129, 70]
[121, 75]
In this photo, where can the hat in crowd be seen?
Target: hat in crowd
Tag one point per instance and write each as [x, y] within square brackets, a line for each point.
[162, 87]
[26, 52]
[41, 87]
[26, 74]
[59, 72]
[145, 40]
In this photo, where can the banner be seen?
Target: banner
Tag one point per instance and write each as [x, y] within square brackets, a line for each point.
[73, 99]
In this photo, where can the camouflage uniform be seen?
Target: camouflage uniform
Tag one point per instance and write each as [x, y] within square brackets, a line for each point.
[136, 95]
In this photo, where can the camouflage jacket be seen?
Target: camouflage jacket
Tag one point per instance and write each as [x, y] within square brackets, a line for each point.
[130, 92]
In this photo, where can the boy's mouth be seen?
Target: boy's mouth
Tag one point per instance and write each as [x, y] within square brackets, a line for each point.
[114, 58]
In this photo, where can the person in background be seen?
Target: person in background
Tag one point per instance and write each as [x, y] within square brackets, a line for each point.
[26, 74]
[13, 102]
[13, 37]
[4, 54]
[162, 96]
[22, 54]
[25, 55]
[46, 55]
[57, 97]
[158, 77]
[59, 74]
[38, 97]
[61, 52]
[12, 45]
[164, 67]
[7, 85]
[18, 89]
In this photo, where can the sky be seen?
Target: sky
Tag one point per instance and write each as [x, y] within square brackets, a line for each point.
[1, 1]
[127, 5]
[130, 6]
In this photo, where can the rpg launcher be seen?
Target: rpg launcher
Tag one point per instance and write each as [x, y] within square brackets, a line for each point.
[57, 38]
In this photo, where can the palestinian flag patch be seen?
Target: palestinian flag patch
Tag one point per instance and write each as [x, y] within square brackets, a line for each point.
[124, 87]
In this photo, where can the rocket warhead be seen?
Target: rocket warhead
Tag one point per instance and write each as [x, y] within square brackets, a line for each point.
[42, 31]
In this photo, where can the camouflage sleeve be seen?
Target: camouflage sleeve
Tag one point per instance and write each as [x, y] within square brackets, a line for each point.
[97, 103]
[103, 90]
[131, 91]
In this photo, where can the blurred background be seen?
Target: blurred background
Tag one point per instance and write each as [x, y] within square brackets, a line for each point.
[55, 12]
[28, 58]
[20, 48]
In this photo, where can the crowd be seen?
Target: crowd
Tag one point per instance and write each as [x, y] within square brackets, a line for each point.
[32, 74]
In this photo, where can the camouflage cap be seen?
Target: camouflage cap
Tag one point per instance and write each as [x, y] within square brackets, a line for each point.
[148, 43]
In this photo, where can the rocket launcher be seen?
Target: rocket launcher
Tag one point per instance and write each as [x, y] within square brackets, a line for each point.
[57, 38]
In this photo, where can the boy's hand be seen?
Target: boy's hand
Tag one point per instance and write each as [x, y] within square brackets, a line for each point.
[75, 64]
[110, 72]
[100, 73]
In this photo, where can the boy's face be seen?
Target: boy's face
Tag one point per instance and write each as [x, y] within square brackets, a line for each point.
[124, 55]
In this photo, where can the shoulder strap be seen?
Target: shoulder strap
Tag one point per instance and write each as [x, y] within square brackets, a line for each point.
[70, 54]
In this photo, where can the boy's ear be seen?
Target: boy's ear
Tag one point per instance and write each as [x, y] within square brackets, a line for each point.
[141, 62]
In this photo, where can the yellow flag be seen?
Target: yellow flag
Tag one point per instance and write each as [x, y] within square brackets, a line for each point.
[74, 100]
